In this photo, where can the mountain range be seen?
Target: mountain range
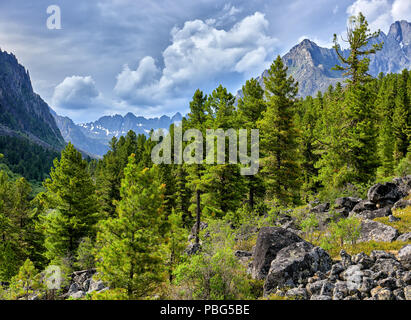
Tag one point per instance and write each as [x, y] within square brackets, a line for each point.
[24, 114]
[310, 64]
[94, 136]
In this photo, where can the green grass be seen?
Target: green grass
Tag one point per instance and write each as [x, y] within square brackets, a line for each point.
[404, 225]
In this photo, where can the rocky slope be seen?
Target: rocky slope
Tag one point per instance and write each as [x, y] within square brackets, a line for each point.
[311, 65]
[294, 268]
[23, 112]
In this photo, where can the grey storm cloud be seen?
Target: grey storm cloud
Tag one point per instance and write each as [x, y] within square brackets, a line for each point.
[148, 56]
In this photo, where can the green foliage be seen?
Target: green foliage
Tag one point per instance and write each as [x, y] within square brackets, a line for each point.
[26, 282]
[26, 158]
[214, 273]
[279, 135]
[309, 225]
[72, 205]
[130, 251]
[339, 233]
[85, 258]
[357, 63]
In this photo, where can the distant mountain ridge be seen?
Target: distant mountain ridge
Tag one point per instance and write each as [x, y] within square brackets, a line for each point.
[94, 137]
[22, 112]
[311, 64]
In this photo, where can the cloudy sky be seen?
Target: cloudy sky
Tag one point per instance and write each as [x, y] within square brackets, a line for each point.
[149, 56]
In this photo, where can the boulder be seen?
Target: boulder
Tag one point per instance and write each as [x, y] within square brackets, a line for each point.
[77, 295]
[345, 259]
[294, 264]
[192, 249]
[346, 202]
[383, 193]
[343, 206]
[321, 208]
[297, 293]
[405, 237]
[96, 285]
[388, 267]
[404, 255]
[269, 242]
[404, 185]
[364, 205]
[391, 218]
[320, 297]
[372, 214]
[381, 293]
[353, 277]
[377, 231]
[363, 260]
[401, 204]
[242, 253]
[407, 293]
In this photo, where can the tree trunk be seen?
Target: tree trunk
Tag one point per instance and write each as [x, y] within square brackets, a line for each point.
[198, 217]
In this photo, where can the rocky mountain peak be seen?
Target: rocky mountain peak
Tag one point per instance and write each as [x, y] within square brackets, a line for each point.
[401, 32]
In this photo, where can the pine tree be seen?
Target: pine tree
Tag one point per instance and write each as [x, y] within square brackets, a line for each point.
[279, 135]
[250, 110]
[400, 118]
[358, 37]
[130, 256]
[351, 155]
[26, 282]
[199, 116]
[72, 202]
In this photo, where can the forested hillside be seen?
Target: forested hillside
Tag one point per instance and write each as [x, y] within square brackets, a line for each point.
[187, 231]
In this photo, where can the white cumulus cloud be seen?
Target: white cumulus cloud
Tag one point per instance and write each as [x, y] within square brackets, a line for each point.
[380, 14]
[198, 51]
[75, 93]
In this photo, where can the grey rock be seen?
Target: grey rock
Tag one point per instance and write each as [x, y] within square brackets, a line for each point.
[389, 283]
[96, 286]
[345, 258]
[336, 269]
[381, 293]
[377, 231]
[297, 293]
[404, 255]
[321, 208]
[406, 277]
[346, 203]
[327, 289]
[77, 295]
[388, 266]
[383, 192]
[407, 293]
[399, 294]
[269, 242]
[315, 287]
[392, 218]
[241, 253]
[372, 214]
[366, 285]
[381, 254]
[320, 297]
[362, 259]
[401, 204]
[364, 205]
[353, 276]
[74, 287]
[193, 248]
[404, 185]
[295, 263]
[404, 237]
